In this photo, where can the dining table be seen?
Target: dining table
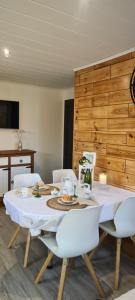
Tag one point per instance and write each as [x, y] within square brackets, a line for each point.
[34, 213]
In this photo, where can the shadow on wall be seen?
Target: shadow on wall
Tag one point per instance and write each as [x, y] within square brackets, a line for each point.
[45, 163]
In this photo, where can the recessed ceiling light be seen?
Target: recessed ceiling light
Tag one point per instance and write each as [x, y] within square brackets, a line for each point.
[6, 52]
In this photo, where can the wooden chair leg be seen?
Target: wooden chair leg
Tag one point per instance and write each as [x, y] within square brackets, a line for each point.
[117, 270]
[62, 278]
[93, 274]
[27, 249]
[44, 267]
[14, 236]
[103, 236]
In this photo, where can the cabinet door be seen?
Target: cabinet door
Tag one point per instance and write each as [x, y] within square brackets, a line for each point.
[3, 181]
[18, 170]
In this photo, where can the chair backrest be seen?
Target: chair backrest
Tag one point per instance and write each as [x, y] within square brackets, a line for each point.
[26, 180]
[58, 174]
[78, 232]
[124, 218]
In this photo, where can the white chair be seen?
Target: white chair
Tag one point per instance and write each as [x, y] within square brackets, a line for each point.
[58, 174]
[122, 226]
[26, 180]
[77, 234]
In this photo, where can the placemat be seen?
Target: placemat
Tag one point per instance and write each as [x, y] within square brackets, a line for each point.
[46, 192]
[55, 205]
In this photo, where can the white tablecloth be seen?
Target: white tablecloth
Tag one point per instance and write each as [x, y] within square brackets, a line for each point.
[33, 213]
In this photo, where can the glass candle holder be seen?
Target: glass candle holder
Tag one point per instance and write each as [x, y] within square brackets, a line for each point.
[103, 178]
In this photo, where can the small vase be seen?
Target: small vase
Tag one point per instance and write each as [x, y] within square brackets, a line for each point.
[19, 145]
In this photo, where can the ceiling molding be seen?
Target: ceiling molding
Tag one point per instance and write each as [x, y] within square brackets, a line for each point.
[105, 59]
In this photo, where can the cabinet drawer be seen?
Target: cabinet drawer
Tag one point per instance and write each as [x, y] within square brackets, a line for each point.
[3, 161]
[18, 160]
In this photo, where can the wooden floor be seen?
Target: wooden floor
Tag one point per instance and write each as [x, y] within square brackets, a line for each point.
[16, 283]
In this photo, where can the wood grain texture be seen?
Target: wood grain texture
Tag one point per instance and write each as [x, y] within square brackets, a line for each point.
[126, 124]
[99, 112]
[131, 138]
[111, 163]
[122, 96]
[83, 113]
[105, 119]
[122, 68]
[84, 102]
[100, 100]
[110, 85]
[106, 137]
[77, 79]
[131, 110]
[130, 167]
[83, 136]
[121, 151]
[83, 124]
[95, 75]
[118, 111]
[133, 54]
[84, 90]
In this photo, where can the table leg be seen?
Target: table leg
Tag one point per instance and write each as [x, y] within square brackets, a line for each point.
[14, 236]
[27, 249]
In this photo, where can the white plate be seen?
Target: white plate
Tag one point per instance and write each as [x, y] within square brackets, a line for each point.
[67, 203]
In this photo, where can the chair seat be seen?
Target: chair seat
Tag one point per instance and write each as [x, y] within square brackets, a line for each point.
[109, 227]
[50, 242]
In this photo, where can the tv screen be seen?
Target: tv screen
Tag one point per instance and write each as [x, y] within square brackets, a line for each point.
[9, 114]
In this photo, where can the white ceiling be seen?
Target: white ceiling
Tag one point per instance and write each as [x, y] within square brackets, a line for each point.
[49, 38]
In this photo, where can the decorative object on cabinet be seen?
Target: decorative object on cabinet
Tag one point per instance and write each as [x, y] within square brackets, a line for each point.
[14, 162]
[19, 137]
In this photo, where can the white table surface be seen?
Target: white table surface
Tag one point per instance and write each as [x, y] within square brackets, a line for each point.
[33, 213]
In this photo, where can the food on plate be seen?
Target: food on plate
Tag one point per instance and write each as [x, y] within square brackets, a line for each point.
[66, 198]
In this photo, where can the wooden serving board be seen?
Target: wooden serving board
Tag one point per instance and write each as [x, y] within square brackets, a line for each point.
[45, 192]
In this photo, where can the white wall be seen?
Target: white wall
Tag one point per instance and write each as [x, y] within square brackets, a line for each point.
[68, 93]
[41, 116]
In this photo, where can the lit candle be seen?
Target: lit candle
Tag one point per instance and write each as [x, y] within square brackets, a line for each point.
[103, 178]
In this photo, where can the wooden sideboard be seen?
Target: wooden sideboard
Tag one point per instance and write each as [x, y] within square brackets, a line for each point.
[14, 162]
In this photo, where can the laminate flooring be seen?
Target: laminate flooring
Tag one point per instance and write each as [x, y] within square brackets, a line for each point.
[17, 283]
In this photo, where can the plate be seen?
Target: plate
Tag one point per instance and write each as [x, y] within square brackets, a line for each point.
[68, 203]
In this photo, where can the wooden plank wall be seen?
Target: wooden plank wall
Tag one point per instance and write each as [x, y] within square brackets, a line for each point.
[104, 119]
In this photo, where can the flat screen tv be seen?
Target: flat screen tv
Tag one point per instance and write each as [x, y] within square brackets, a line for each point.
[9, 114]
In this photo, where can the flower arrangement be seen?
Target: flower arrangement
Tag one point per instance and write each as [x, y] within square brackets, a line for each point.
[84, 161]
